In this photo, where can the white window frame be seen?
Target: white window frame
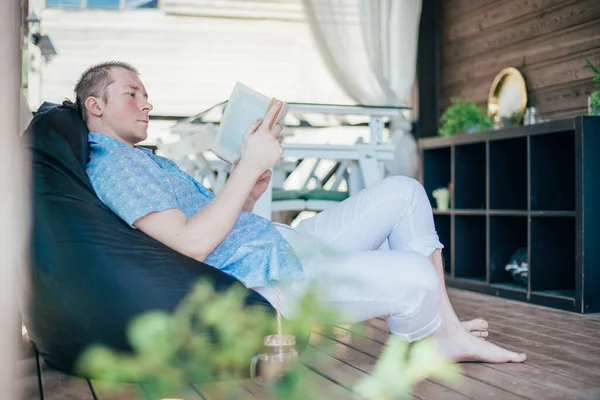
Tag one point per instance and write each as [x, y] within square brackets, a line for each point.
[84, 4]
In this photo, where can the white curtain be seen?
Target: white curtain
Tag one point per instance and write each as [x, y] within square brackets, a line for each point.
[370, 47]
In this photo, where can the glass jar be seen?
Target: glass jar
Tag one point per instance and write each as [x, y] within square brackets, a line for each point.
[280, 351]
[530, 117]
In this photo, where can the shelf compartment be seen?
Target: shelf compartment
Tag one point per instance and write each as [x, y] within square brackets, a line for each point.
[553, 213]
[515, 213]
[469, 212]
[443, 226]
[469, 184]
[508, 174]
[506, 291]
[552, 167]
[442, 212]
[437, 170]
[507, 235]
[564, 300]
[552, 255]
[469, 247]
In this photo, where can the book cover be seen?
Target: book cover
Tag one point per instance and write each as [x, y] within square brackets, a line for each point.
[245, 106]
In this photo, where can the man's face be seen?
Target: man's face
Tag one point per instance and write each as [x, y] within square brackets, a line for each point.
[126, 108]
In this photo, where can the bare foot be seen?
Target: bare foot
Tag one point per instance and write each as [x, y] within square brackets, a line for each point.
[477, 327]
[461, 346]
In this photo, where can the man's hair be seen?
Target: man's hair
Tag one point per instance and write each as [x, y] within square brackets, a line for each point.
[93, 82]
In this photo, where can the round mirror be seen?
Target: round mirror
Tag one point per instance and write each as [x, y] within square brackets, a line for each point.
[508, 97]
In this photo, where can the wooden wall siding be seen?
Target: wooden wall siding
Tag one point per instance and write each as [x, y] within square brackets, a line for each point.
[547, 40]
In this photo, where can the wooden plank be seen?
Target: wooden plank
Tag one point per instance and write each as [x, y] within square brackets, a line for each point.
[365, 362]
[552, 347]
[330, 390]
[428, 390]
[571, 332]
[551, 380]
[470, 385]
[26, 367]
[453, 8]
[249, 389]
[27, 386]
[229, 390]
[477, 389]
[517, 387]
[537, 356]
[581, 342]
[556, 45]
[58, 386]
[573, 348]
[528, 312]
[494, 16]
[254, 389]
[538, 77]
[568, 97]
[571, 14]
[548, 363]
[344, 374]
[576, 112]
[118, 391]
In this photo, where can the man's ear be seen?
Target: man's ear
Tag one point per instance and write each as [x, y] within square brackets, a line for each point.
[94, 106]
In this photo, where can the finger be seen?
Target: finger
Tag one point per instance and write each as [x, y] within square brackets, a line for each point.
[253, 127]
[266, 175]
[277, 129]
[236, 161]
[272, 113]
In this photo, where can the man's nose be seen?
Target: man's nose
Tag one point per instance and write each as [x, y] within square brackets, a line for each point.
[147, 106]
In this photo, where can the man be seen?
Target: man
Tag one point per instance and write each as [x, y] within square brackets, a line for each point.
[334, 249]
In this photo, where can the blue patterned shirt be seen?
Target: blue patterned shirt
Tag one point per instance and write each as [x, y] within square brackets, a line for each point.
[133, 182]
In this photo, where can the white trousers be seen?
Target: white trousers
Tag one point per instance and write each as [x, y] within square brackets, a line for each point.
[340, 256]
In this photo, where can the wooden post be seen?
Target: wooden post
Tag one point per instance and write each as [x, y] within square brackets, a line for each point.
[429, 69]
[13, 183]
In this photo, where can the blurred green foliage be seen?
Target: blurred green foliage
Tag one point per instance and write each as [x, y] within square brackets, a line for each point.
[464, 116]
[212, 337]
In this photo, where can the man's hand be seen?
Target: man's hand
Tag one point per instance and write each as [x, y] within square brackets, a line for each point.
[257, 190]
[261, 145]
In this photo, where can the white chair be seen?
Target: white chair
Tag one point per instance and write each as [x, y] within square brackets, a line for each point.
[188, 154]
[312, 196]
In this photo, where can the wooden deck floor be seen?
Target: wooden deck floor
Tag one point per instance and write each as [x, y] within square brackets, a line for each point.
[563, 350]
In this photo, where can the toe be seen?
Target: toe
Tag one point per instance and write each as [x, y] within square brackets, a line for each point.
[476, 324]
[518, 357]
[481, 334]
[481, 324]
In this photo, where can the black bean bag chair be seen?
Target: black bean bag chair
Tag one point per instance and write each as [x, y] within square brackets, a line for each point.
[91, 273]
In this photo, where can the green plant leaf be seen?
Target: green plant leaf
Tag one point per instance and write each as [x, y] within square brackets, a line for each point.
[464, 116]
[595, 103]
[150, 335]
[426, 361]
[595, 69]
[213, 335]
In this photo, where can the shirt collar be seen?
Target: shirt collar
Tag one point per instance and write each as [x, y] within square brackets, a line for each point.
[103, 139]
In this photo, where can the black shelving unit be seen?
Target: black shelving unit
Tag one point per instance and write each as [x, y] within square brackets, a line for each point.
[534, 187]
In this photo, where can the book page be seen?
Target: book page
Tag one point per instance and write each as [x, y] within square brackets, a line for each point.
[244, 107]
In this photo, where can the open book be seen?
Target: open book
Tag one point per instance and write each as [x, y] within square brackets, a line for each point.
[244, 107]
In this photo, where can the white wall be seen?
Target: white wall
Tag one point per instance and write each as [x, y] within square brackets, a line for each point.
[187, 63]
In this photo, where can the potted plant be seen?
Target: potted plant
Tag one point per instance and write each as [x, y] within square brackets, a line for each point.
[594, 99]
[464, 116]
